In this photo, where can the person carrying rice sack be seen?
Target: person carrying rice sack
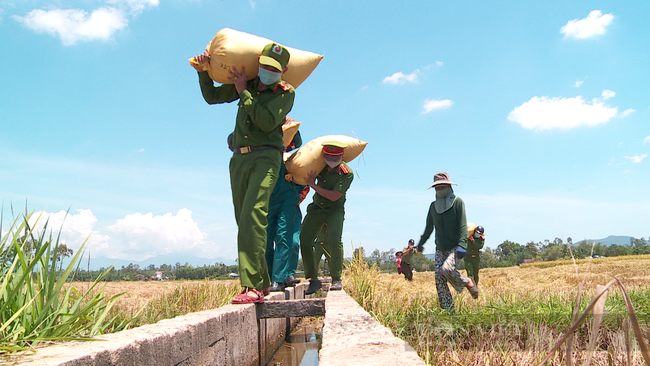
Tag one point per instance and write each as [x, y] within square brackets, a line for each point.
[284, 218]
[407, 256]
[328, 209]
[475, 242]
[263, 104]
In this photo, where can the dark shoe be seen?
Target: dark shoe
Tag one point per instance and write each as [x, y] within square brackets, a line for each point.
[277, 287]
[473, 289]
[314, 285]
[336, 285]
[291, 281]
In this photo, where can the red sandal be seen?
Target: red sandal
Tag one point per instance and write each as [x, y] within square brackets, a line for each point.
[245, 298]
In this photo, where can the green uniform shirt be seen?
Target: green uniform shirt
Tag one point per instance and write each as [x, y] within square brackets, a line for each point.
[474, 246]
[406, 257]
[451, 226]
[335, 180]
[261, 113]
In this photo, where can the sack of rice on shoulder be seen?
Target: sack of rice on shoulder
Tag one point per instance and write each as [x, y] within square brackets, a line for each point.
[470, 229]
[310, 156]
[289, 130]
[230, 48]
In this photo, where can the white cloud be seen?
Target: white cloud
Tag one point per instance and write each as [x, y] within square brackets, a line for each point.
[636, 158]
[627, 112]
[544, 113]
[606, 94]
[140, 236]
[135, 6]
[74, 25]
[578, 83]
[74, 229]
[136, 237]
[400, 78]
[594, 24]
[439, 63]
[645, 140]
[432, 105]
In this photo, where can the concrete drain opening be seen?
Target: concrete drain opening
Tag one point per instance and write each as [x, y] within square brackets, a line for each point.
[301, 347]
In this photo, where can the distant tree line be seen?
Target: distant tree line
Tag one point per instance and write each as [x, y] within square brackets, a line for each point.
[506, 254]
[509, 253]
[133, 272]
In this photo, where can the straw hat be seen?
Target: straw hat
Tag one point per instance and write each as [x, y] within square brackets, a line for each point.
[441, 178]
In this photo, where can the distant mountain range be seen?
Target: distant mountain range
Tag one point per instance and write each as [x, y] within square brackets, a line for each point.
[171, 259]
[612, 239]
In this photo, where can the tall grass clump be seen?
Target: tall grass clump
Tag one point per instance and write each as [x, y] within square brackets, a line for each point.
[524, 316]
[36, 307]
[364, 281]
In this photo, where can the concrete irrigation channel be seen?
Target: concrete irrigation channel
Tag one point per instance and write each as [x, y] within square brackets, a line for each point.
[241, 335]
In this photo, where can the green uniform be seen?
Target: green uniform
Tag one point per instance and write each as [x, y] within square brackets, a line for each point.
[321, 247]
[451, 227]
[323, 211]
[473, 258]
[253, 175]
[407, 256]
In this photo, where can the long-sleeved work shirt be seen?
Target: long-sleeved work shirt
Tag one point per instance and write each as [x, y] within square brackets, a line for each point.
[450, 226]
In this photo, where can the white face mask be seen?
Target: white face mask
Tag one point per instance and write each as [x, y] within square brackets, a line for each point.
[268, 77]
[477, 235]
[334, 164]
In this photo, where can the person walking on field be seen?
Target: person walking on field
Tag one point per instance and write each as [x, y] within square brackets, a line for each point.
[398, 260]
[407, 255]
[475, 243]
[447, 216]
[327, 208]
[257, 154]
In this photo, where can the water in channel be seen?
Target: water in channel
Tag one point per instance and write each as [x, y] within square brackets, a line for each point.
[302, 347]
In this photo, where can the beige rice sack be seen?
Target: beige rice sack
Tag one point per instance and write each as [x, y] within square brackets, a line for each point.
[231, 48]
[310, 156]
[470, 229]
[289, 130]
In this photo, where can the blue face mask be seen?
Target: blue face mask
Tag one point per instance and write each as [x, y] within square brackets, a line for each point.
[268, 77]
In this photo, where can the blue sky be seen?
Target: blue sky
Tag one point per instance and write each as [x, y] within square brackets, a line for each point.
[538, 110]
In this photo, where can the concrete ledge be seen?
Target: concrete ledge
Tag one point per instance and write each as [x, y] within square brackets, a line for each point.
[352, 337]
[230, 335]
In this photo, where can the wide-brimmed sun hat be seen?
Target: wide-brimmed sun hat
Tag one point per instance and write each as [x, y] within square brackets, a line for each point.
[441, 178]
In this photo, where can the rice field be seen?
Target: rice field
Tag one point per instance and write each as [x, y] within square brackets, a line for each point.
[522, 313]
[147, 302]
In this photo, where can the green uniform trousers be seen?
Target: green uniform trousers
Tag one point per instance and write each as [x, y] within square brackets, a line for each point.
[321, 247]
[252, 178]
[472, 265]
[314, 220]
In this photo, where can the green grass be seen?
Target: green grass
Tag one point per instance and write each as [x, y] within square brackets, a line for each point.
[36, 305]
